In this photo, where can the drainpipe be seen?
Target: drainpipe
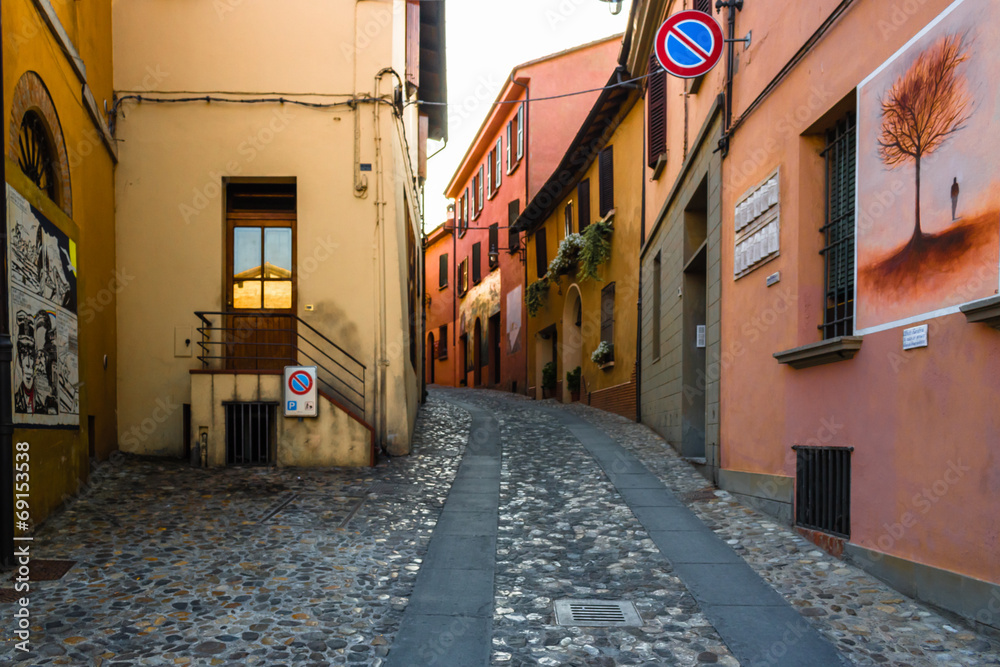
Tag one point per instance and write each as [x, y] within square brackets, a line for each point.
[733, 6]
[638, 321]
[6, 416]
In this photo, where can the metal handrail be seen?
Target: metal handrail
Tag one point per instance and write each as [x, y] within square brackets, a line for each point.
[353, 371]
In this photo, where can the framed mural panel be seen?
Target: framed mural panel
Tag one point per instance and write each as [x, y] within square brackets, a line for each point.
[43, 319]
[928, 178]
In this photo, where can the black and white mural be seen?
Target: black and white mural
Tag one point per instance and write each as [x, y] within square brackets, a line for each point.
[42, 278]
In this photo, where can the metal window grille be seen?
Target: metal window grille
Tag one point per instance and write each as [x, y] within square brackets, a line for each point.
[251, 432]
[703, 6]
[823, 489]
[608, 315]
[513, 212]
[838, 251]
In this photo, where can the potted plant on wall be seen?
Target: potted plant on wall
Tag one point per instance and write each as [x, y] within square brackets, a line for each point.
[549, 379]
[604, 355]
[573, 379]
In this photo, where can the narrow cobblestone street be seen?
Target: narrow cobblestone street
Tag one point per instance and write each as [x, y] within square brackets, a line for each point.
[268, 566]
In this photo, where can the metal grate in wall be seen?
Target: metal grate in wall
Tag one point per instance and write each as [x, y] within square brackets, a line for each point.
[823, 489]
[251, 433]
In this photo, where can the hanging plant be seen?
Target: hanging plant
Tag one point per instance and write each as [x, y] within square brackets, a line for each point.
[536, 295]
[566, 256]
[596, 250]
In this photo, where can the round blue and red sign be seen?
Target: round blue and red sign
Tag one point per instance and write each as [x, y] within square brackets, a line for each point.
[300, 382]
[689, 44]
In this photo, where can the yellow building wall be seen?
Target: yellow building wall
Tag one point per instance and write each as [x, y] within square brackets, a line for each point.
[622, 269]
[170, 188]
[59, 458]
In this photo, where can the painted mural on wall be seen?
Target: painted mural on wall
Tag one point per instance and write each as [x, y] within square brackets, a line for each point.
[482, 301]
[42, 279]
[928, 234]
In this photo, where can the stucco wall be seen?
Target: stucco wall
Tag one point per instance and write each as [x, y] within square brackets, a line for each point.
[59, 459]
[175, 158]
[923, 423]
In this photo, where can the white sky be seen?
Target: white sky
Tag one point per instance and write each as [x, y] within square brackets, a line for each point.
[483, 46]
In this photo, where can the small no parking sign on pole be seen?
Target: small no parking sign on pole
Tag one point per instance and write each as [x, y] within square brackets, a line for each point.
[689, 44]
[300, 391]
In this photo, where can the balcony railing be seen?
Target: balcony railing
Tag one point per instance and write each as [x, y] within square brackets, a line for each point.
[264, 341]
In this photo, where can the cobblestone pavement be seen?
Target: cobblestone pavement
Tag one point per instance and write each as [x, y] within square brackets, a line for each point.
[245, 566]
[871, 623]
[240, 566]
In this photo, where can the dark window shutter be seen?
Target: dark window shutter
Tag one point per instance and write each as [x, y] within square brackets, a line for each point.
[703, 6]
[606, 175]
[568, 215]
[583, 195]
[541, 253]
[657, 112]
[477, 272]
[608, 314]
[443, 271]
[513, 212]
[494, 245]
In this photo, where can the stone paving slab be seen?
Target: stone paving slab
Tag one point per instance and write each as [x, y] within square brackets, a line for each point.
[450, 613]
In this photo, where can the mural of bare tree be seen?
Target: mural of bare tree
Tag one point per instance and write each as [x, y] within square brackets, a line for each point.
[922, 109]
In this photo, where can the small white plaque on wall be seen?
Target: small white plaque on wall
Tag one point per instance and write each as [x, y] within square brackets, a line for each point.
[700, 336]
[915, 337]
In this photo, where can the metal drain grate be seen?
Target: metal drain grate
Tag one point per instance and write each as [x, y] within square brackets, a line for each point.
[596, 613]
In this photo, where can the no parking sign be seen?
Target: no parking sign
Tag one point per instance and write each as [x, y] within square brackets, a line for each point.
[689, 44]
[300, 391]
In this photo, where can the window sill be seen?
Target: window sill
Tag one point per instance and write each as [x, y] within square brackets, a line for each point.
[661, 164]
[827, 351]
[442, 287]
[984, 311]
[514, 168]
[607, 366]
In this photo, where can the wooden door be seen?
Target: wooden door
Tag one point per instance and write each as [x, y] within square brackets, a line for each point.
[261, 332]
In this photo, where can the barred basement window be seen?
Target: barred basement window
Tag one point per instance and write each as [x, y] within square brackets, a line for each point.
[838, 253]
[823, 489]
[251, 431]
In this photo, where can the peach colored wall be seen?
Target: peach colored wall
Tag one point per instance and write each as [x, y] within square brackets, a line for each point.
[919, 420]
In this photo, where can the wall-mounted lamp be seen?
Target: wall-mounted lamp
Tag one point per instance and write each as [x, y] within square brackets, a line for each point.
[614, 5]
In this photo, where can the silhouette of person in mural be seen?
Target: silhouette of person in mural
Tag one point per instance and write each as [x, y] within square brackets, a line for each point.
[46, 401]
[954, 197]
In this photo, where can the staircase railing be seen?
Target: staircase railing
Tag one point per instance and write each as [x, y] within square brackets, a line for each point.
[227, 346]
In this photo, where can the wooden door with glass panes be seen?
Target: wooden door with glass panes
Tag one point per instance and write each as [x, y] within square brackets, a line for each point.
[261, 291]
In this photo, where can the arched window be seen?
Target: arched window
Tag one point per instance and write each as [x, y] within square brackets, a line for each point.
[35, 140]
[35, 155]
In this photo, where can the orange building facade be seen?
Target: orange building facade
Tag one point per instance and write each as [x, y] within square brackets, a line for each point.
[439, 305]
[502, 170]
[860, 356]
